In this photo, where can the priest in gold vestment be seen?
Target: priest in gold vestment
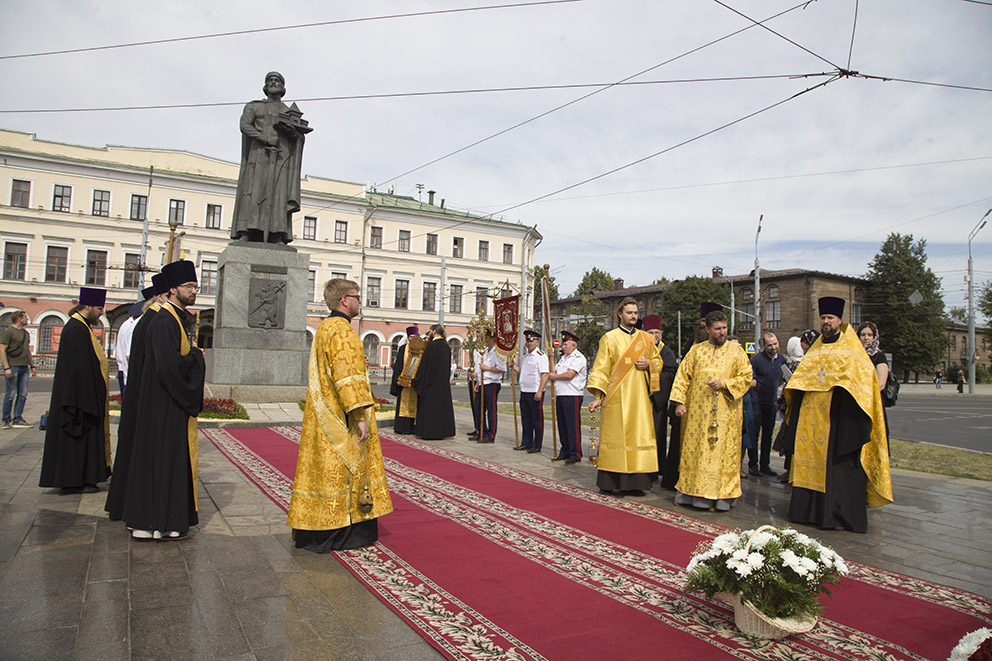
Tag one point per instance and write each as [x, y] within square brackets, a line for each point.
[626, 371]
[340, 486]
[836, 430]
[709, 385]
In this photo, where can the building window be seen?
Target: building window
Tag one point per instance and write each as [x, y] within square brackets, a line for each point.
[394, 347]
[773, 313]
[772, 291]
[954, 341]
[657, 303]
[481, 300]
[483, 251]
[455, 304]
[458, 247]
[132, 271]
[746, 315]
[15, 259]
[507, 253]
[96, 267]
[373, 289]
[371, 345]
[208, 277]
[859, 294]
[747, 294]
[456, 350]
[856, 313]
[340, 231]
[401, 298]
[375, 238]
[101, 203]
[139, 207]
[432, 244]
[310, 228]
[20, 194]
[214, 213]
[504, 292]
[312, 285]
[430, 295]
[45, 333]
[177, 211]
[404, 243]
[62, 198]
[338, 276]
[56, 263]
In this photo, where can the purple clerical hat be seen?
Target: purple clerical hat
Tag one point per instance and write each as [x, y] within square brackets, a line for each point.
[92, 296]
[412, 330]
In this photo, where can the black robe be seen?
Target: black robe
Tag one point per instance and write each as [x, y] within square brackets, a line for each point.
[844, 504]
[659, 402]
[401, 425]
[129, 418]
[75, 452]
[159, 493]
[435, 412]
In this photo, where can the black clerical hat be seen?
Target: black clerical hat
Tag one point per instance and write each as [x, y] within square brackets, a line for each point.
[706, 307]
[179, 273]
[831, 305]
[147, 293]
[92, 296]
[160, 283]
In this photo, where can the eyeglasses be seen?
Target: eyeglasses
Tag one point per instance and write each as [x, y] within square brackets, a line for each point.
[354, 296]
[191, 287]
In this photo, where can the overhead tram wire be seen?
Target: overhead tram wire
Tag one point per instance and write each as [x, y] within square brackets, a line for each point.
[235, 33]
[668, 149]
[586, 96]
[395, 95]
[854, 29]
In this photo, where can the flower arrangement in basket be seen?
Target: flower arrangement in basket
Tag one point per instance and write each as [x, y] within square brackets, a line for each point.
[975, 646]
[772, 577]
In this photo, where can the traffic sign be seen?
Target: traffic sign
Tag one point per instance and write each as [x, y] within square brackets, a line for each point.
[557, 343]
[749, 348]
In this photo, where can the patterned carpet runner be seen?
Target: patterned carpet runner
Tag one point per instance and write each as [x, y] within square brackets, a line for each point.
[488, 562]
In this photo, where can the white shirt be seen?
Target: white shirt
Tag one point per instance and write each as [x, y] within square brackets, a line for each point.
[123, 346]
[577, 384]
[532, 366]
[490, 359]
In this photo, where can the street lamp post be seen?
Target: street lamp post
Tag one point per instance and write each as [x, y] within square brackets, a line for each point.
[718, 273]
[757, 289]
[971, 306]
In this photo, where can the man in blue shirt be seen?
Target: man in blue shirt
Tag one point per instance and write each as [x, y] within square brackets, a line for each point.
[767, 367]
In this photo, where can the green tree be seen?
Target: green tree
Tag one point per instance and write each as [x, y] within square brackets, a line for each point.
[913, 334]
[539, 272]
[985, 307]
[958, 314]
[597, 318]
[685, 296]
[594, 280]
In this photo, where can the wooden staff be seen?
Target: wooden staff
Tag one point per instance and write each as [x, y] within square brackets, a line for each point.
[550, 346]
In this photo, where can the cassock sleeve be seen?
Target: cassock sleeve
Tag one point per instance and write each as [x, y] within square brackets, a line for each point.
[394, 388]
[348, 372]
[181, 376]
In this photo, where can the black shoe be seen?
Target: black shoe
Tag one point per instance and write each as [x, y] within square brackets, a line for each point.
[559, 458]
[522, 447]
[766, 470]
[486, 440]
[637, 493]
[606, 492]
[474, 436]
[533, 450]
[570, 461]
[753, 470]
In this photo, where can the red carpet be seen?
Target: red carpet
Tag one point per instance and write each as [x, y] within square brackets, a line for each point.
[490, 562]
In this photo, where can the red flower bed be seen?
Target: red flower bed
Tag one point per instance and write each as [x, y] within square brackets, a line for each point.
[216, 405]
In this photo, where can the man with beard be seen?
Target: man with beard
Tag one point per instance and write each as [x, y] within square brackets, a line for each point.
[836, 429]
[533, 370]
[767, 366]
[160, 501]
[625, 373]
[155, 296]
[659, 400]
[339, 490]
[77, 440]
[707, 392]
[435, 412]
[406, 396]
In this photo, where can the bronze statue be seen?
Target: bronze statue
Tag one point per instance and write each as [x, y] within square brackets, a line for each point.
[272, 136]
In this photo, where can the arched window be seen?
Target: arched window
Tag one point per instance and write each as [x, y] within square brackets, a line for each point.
[772, 291]
[371, 344]
[456, 350]
[309, 339]
[859, 294]
[394, 347]
[45, 333]
[747, 294]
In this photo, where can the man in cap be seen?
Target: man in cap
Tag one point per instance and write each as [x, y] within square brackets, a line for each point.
[627, 370]
[160, 501]
[435, 411]
[405, 367]
[570, 379]
[533, 370]
[339, 489]
[659, 400]
[836, 430]
[489, 371]
[155, 296]
[77, 439]
[709, 386]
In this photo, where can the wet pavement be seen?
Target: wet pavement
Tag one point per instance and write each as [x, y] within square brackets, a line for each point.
[74, 585]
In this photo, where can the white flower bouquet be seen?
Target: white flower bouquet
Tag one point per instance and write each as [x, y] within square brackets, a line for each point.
[975, 645]
[780, 572]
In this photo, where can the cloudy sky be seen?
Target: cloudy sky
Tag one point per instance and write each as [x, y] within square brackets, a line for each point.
[664, 175]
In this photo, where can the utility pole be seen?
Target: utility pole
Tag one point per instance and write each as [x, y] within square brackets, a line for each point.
[440, 296]
[971, 306]
[757, 289]
[144, 230]
[718, 273]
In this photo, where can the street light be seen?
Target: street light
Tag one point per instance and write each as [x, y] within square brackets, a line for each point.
[757, 288]
[718, 273]
[971, 306]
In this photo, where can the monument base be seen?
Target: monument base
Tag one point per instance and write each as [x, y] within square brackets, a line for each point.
[260, 320]
[256, 394]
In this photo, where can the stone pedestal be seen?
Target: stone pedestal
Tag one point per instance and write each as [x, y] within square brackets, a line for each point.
[260, 320]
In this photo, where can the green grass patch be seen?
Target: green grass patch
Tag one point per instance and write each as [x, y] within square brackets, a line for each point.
[927, 458]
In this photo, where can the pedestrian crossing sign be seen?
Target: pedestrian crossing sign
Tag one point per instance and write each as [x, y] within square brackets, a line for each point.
[749, 348]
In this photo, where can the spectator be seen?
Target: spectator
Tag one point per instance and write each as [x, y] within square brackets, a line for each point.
[15, 351]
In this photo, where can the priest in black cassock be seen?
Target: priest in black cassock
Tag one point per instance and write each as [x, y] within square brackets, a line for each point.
[836, 430]
[435, 412]
[160, 501]
[659, 400]
[77, 441]
[406, 398]
[154, 297]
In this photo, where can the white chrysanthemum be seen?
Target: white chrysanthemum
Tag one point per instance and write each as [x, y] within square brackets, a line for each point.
[755, 561]
[827, 558]
[809, 564]
[726, 542]
[793, 562]
[760, 539]
[841, 566]
[968, 644]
